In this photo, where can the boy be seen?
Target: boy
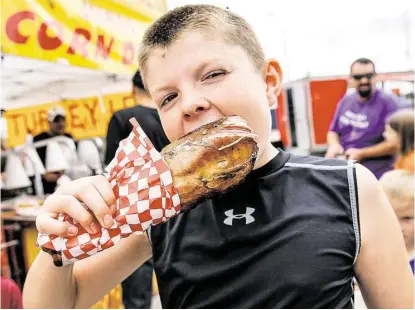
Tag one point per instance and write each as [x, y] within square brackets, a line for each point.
[302, 245]
[399, 188]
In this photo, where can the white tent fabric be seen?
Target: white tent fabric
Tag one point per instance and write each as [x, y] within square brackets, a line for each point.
[27, 82]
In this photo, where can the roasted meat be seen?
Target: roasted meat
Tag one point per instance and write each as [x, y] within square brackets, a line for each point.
[211, 159]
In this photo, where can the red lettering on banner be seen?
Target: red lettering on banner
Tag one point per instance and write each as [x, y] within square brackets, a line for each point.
[129, 53]
[125, 100]
[25, 123]
[92, 111]
[50, 35]
[43, 119]
[34, 126]
[46, 42]
[111, 106]
[78, 43]
[103, 50]
[14, 117]
[74, 118]
[12, 26]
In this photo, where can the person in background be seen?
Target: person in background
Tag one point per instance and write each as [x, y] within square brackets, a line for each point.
[356, 130]
[137, 288]
[57, 125]
[11, 295]
[400, 129]
[399, 188]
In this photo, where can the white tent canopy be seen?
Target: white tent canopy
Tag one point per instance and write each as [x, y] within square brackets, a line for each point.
[27, 82]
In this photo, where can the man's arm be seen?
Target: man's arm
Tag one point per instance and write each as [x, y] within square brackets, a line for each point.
[333, 138]
[334, 146]
[382, 268]
[84, 283]
[377, 150]
[115, 134]
[380, 149]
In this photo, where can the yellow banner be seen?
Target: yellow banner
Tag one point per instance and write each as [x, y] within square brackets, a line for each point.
[85, 118]
[97, 34]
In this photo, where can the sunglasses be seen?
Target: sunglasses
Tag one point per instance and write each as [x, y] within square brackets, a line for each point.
[358, 77]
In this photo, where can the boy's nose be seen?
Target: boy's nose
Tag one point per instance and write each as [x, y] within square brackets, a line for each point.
[195, 107]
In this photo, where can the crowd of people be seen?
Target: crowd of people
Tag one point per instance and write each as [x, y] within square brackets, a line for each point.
[338, 216]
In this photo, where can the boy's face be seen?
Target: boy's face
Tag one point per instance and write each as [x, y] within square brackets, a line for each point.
[199, 79]
[404, 210]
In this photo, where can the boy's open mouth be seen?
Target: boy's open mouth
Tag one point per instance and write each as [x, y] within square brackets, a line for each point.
[231, 125]
[236, 123]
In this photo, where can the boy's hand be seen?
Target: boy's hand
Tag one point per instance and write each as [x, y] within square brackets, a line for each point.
[87, 200]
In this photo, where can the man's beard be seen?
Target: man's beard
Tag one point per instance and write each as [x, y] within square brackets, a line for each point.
[366, 93]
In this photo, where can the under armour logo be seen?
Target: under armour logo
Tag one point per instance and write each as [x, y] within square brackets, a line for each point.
[247, 216]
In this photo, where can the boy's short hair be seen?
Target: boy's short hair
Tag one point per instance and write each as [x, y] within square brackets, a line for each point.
[398, 183]
[232, 28]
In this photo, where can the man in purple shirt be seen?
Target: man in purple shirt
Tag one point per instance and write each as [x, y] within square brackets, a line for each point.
[356, 131]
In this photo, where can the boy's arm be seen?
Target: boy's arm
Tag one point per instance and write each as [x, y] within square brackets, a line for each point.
[82, 284]
[382, 268]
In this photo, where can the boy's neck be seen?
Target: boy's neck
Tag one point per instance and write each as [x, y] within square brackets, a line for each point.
[267, 155]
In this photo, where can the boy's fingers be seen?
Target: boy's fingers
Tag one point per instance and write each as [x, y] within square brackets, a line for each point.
[70, 205]
[45, 223]
[104, 188]
[96, 194]
[94, 201]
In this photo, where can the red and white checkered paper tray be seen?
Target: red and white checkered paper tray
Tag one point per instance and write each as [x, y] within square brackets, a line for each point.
[145, 195]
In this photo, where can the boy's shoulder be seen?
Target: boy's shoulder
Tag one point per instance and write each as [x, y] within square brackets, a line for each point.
[317, 162]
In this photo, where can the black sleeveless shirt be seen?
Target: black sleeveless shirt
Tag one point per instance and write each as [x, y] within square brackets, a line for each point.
[287, 237]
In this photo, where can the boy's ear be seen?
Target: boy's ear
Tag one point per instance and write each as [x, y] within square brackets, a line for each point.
[273, 79]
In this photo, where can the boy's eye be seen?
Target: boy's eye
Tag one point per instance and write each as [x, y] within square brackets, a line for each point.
[167, 99]
[213, 74]
[408, 218]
